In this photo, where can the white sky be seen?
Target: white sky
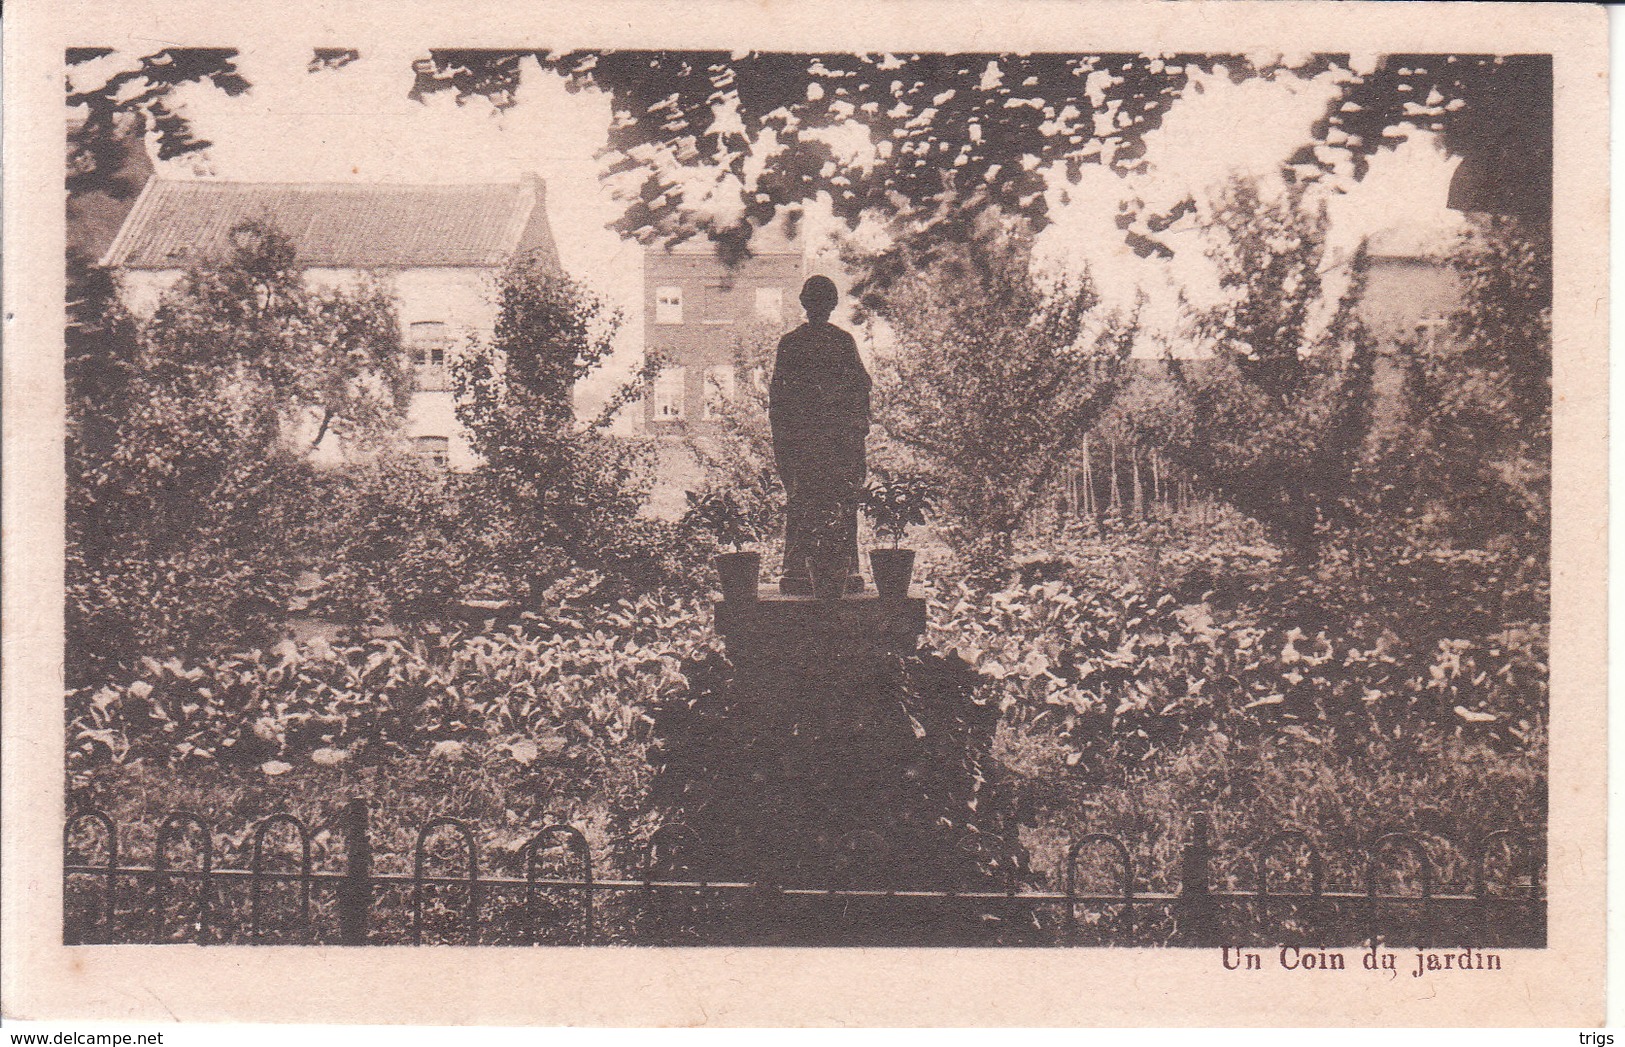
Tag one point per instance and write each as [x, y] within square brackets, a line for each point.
[357, 124]
[1246, 129]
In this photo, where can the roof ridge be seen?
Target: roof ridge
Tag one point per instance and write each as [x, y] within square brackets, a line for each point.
[119, 248]
[181, 220]
[520, 220]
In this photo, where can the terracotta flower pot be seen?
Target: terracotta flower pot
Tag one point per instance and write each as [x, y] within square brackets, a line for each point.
[740, 573]
[893, 570]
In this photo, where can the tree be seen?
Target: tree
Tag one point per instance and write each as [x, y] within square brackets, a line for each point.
[736, 450]
[1494, 111]
[558, 491]
[397, 545]
[1280, 411]
[1478, 455]
[945, 126]
[942, 125]
[136, 99]
[189, 443]
[306, 362]
[996, 376]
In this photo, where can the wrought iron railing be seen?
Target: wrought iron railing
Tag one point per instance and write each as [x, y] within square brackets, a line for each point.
[133, 903]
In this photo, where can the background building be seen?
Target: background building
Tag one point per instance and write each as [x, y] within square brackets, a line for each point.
[1411, 289]
[711, 325]
[436, 248]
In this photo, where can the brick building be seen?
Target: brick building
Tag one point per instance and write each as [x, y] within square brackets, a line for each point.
[711, 325]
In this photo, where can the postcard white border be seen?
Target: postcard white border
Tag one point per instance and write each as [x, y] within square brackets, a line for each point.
[1560, 985]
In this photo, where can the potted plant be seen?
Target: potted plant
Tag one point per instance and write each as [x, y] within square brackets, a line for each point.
[893, 505]
[719, 514]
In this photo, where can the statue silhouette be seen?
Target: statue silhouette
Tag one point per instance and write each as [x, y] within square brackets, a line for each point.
[818, 406]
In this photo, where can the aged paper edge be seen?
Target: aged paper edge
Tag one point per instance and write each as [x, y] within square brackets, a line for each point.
[1560, 985]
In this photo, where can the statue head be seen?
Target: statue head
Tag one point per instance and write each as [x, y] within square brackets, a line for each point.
[818, 297]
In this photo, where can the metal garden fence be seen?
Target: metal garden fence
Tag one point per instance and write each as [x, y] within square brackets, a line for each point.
[113, 902]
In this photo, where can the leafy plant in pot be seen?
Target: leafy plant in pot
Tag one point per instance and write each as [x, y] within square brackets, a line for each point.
[719, 514]
[893, 505]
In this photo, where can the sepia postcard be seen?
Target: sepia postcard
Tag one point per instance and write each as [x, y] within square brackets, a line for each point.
[901, 514]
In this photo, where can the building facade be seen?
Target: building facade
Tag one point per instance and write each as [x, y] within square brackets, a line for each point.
[712, 325]
[1409, 295]
[435, 248]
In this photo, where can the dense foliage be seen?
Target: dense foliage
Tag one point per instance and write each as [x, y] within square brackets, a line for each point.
[570, 683]
[1477, 454]
[766, 120]
[1112, 711]
[138, 95]
[1126, 673]
[1128, 676]
[191, 436]
[996, 376]
[947, 126]
[560, 491]
[236, 457]
[1279, 413]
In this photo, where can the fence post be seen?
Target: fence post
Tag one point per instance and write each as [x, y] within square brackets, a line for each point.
[1196, 914]
[355, 892]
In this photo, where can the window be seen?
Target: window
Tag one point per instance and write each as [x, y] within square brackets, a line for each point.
[669, 393]
[770, 303]
[668, 305]
[719, 387]
[435, 449]
[719, 304]
[428, 342]
[1431, 332]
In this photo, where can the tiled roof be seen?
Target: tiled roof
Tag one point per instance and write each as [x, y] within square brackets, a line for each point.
[178, 223]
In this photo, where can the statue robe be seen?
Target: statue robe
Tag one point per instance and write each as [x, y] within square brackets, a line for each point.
[818, 406]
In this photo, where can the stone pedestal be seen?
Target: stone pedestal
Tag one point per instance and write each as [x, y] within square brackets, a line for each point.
[817, 687]
[831, 750]
[785, 633]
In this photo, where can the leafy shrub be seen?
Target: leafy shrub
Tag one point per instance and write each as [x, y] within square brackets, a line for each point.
[894, 504]
[1127, 676]
[719, 514]
[571, 682]
[397, 544]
